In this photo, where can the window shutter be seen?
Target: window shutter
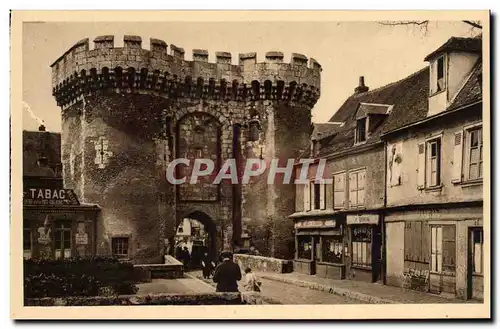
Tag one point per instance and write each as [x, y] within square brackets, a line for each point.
[307, 197]
[421, 166]
[352, 189]
[322, 199]
[456, 175]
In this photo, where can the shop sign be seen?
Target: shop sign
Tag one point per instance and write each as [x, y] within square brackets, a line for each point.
[362, 219]
[315, 223]
[47, 196]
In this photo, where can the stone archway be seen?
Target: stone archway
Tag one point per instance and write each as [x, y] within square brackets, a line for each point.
[209, 227]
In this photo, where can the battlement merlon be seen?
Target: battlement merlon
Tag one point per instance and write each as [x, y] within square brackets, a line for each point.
[167, 62]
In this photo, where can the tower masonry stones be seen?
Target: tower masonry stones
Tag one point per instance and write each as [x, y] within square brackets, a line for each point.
[128, 112]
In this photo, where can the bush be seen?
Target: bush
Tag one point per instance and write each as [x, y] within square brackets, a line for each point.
[78, 277]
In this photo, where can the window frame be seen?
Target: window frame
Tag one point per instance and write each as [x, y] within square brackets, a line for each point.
[343, 172]
[357, 205]
[439, 161]
[316, 196]
[128, 239]
[473, 251]
[434, 75]
[466, 163]
[357, 140]
[61, 227]
[437, 265]
[365, 246]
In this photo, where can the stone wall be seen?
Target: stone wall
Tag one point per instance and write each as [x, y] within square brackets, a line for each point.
[128, 112]
[263, 264]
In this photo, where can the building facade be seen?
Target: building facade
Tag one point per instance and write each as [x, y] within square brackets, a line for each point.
[406, 200]
[127, 113]
[353, 204]
[55, 224]
[435, 188]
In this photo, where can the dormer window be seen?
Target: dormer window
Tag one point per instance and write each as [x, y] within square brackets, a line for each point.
[440, 74]
[361, 130]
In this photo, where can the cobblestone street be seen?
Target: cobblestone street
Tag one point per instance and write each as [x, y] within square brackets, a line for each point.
[285, 293]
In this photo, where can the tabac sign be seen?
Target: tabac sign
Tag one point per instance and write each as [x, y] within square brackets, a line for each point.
[362, 219]
[48, 196]
[315, 223]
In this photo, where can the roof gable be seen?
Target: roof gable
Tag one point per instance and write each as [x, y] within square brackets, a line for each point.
[472, 45]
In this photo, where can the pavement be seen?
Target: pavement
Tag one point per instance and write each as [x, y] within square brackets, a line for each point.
[174, 286]
[275, 292]
[302, 289]
[367, 292]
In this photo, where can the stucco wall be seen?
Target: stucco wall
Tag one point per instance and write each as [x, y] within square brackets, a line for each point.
[407, 192]
[372, 160]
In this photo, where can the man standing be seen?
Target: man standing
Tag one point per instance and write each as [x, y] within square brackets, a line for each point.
[227, 274]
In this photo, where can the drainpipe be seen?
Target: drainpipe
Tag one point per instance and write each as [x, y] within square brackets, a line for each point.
[382, 220]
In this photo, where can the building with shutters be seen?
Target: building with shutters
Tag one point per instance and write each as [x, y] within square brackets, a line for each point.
[339, 226]
[405, 204]
[434, 216]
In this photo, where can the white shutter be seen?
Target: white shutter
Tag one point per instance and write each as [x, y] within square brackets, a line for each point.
[322, 199]
[421, 166]
[353, 184]
[307, 197]
[456, 174]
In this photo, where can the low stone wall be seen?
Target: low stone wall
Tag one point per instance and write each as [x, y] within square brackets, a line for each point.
[172, 269]
[154, 299]
[263, 264]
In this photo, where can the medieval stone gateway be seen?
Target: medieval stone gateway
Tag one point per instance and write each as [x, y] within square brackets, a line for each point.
[127, 112]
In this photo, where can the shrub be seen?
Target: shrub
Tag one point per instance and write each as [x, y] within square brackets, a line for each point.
[78, 277]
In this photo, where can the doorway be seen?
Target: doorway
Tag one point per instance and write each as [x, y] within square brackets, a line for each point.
[475, 263]
[197, 233]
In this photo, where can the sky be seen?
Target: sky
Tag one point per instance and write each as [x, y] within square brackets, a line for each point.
[345, 50]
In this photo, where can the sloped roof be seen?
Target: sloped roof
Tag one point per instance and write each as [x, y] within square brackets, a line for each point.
[408, 96]
[37, 144]
[322, 130]
[473, 45]
[472, 90]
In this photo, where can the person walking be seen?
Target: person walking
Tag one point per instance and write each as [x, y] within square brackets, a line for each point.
[227, 274]
[251, 282]
[207, 265]
[186, 257]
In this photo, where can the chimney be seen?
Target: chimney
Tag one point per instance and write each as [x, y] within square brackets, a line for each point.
[361, 88]
[41, 128]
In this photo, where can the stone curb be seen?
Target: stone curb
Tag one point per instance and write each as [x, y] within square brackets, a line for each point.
[330, 289]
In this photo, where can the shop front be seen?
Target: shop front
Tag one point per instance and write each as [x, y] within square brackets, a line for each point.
[56, 225]
[320, 247]
[365, 247]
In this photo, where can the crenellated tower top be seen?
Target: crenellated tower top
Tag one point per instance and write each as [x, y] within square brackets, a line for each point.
[164, 71]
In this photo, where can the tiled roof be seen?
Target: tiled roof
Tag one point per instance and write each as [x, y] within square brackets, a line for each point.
[472, 90]
[409, 98]
[322, 130]
[458, 44]
[37, 144]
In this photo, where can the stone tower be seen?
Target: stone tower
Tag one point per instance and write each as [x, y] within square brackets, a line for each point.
[128, 112]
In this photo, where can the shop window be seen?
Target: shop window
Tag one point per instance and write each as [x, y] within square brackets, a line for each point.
[477, 251]
[333, 249]
[305, 247]
[443, 249]
[357, 189]
[339, 191]
[62, 240]
[416, 244]
[474, 154]
[361, 246]
[27, 243]
[119, 247]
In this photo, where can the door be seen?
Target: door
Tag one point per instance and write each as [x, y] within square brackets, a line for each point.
[62, 240]
[316, 257]
[475, 264]
[376, 253]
